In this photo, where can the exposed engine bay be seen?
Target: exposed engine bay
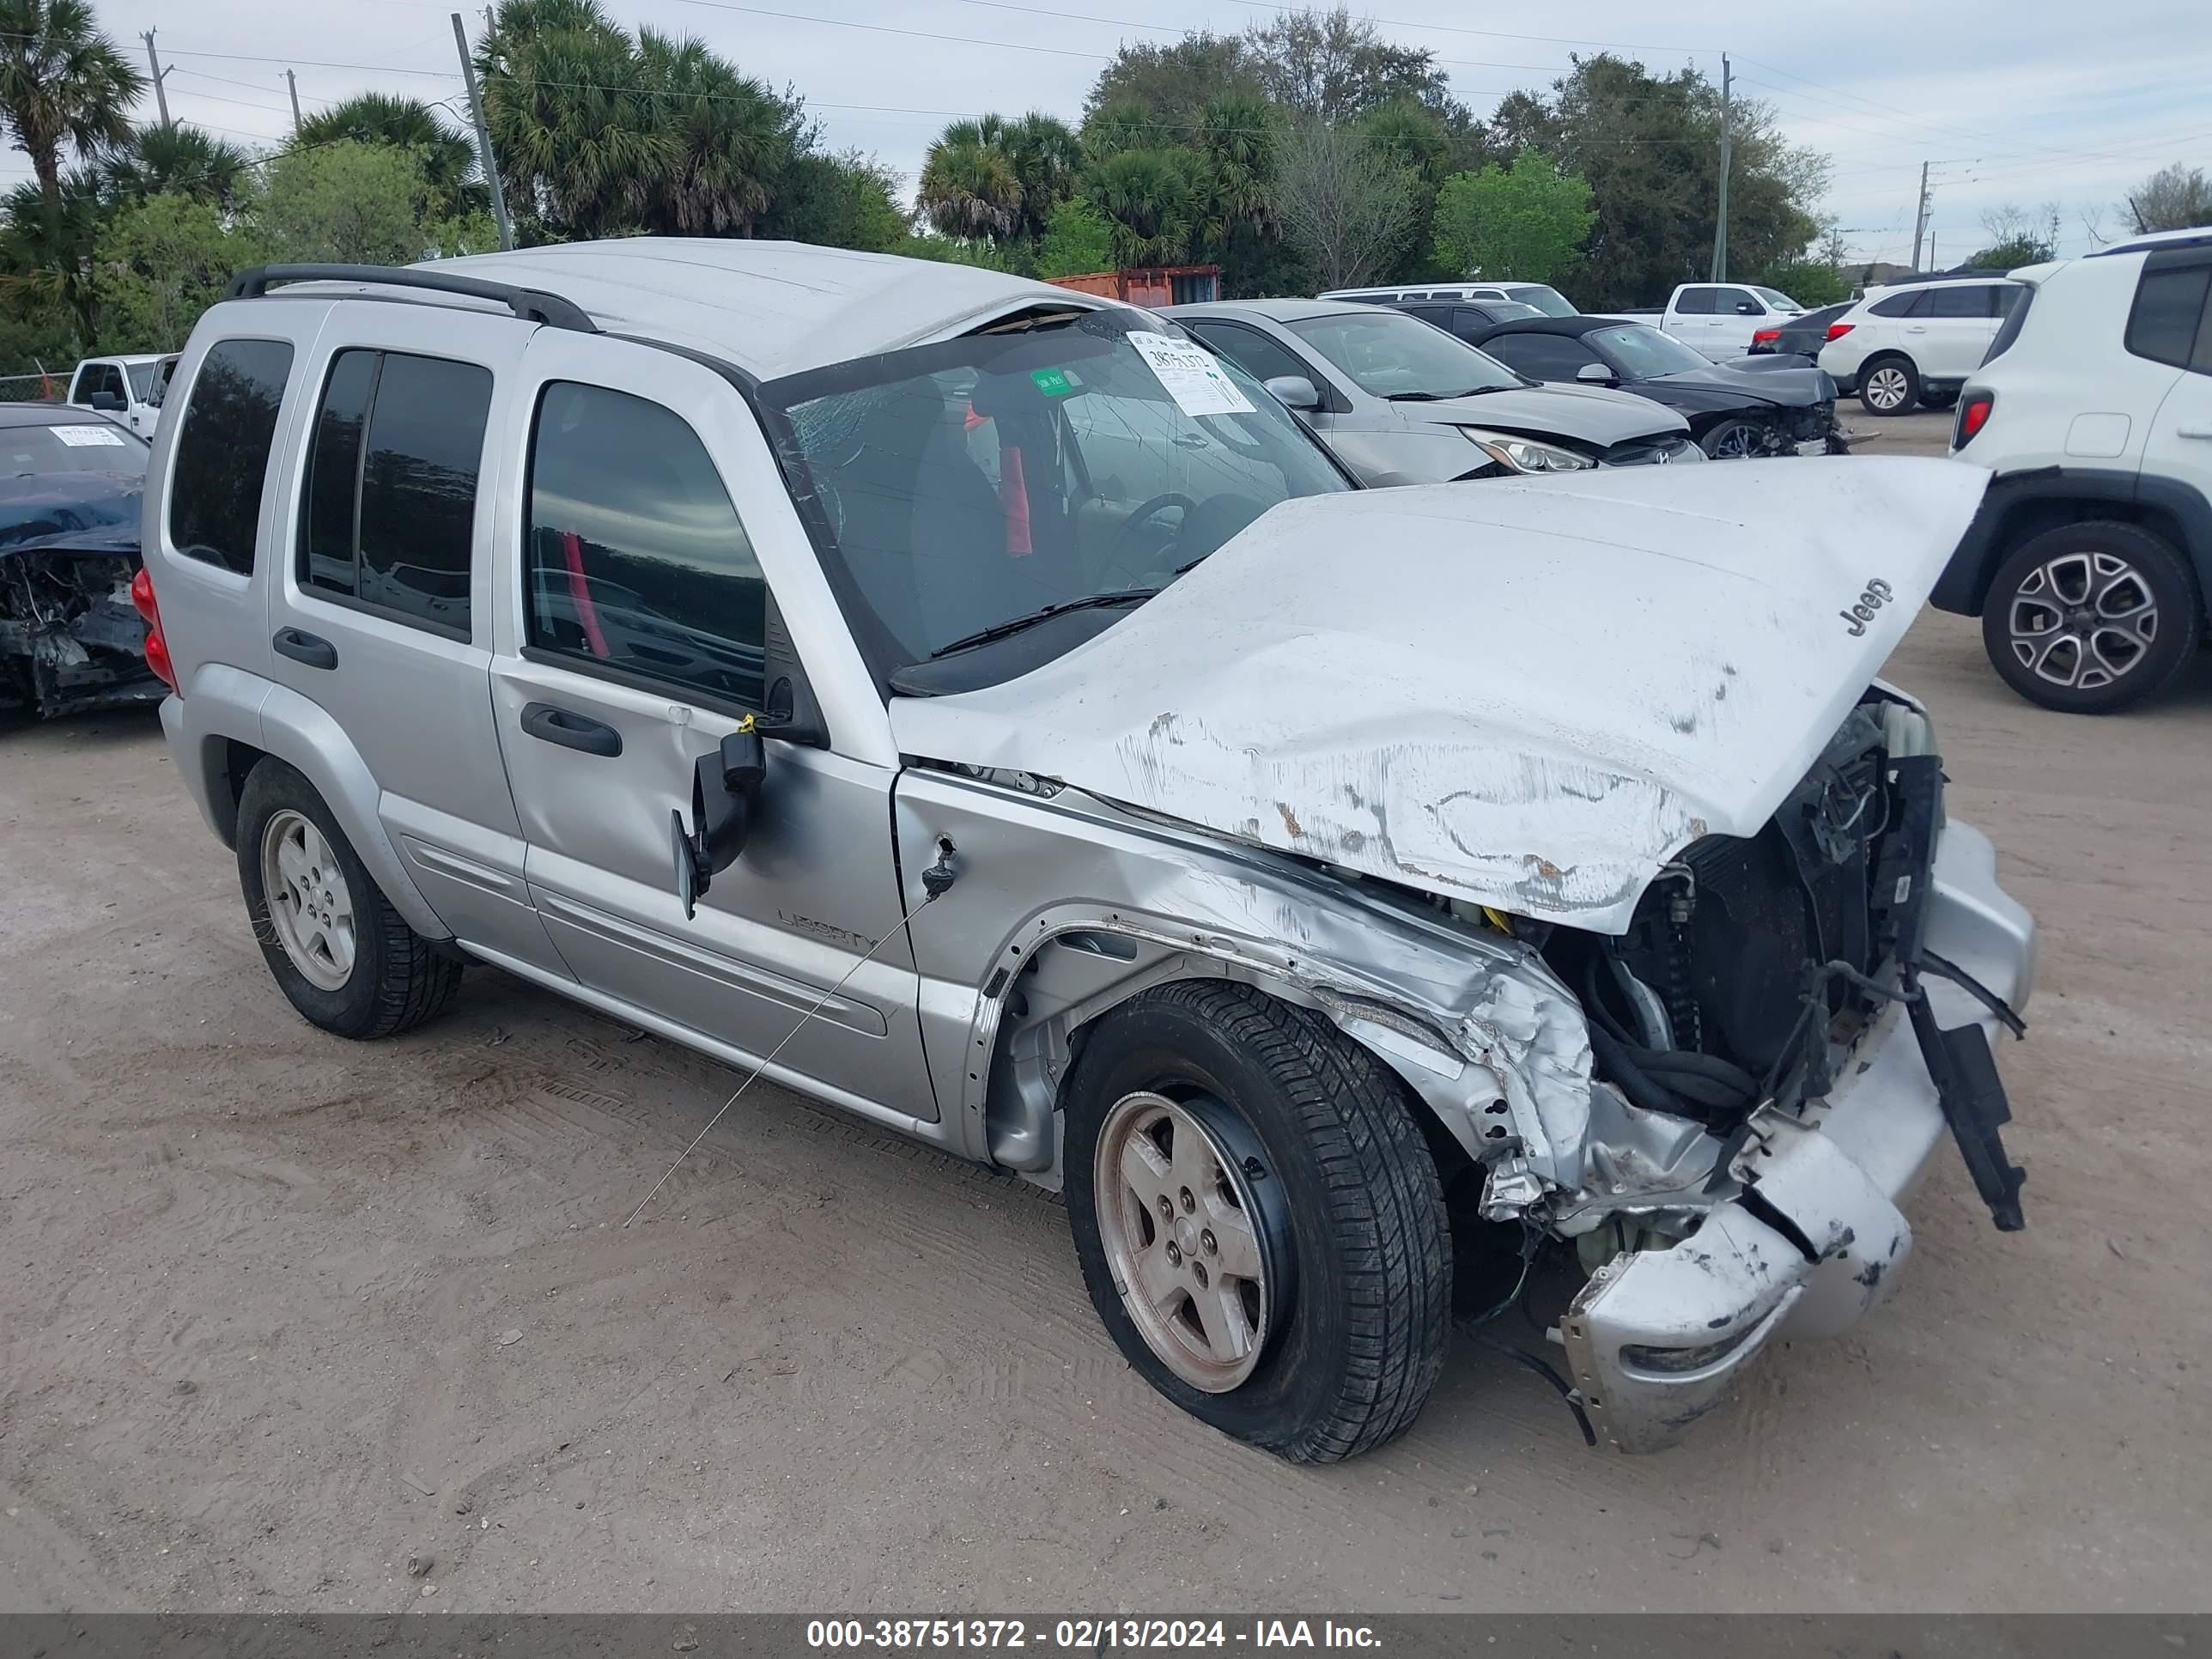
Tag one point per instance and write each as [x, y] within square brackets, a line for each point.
[70, 639]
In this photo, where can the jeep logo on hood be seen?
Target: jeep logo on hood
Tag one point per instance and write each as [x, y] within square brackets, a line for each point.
[1877, 594]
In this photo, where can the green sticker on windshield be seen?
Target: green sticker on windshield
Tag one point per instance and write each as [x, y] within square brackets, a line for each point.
[1052, 382]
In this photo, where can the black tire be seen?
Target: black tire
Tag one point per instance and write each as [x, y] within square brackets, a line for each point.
[398, 981]
[2120, 565]
[1343, 1170]
[1880, 365]
[1733, 439]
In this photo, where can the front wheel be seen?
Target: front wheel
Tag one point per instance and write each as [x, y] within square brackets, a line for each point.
[2088, 618]
[1734, 441]
[1890, 386]
[1259, 1221]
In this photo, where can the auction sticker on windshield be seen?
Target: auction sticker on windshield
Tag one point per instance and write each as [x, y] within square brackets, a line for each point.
[1190, 375]
[89, 437]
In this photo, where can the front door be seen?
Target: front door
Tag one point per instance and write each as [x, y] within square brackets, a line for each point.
[642, 614]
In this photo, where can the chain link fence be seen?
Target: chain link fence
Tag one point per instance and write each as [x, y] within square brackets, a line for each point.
[39, 387]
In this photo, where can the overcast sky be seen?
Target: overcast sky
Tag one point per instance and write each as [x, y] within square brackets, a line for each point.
[2029, 102]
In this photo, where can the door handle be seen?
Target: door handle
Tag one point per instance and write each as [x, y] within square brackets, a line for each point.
[1917, 328]
[301, 645]
[2193, 431]
[570, 731]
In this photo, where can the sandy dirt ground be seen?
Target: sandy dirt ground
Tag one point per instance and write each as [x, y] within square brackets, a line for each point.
[279, 1312]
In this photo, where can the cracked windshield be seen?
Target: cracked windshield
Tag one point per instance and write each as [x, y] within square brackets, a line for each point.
[978, 482]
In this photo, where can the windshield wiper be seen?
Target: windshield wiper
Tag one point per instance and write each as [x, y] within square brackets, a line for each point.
[1435, 396]
[1015, 624]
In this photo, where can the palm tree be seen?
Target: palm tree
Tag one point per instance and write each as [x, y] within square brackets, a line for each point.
[733, 137]
[1046, 155]
[449, 158]
[62, 82]
[1150, 197]
[969, 185]
[580, 150]
[46, 250]
[186, 160]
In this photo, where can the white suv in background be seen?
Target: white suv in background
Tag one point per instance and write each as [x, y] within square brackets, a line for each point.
[1915, 343]
[2090, 557]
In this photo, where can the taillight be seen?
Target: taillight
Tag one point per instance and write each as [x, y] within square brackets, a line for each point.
[1974, 415]
[1766, 336]
[1837, 331]
[156, 647]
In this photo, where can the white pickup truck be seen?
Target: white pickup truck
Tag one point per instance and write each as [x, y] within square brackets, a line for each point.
[1717, 318]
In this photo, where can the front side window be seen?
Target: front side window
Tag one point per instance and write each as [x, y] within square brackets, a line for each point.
[389, 518]
[229, 423]
[1542, 356]
[634, 558]
[94, 379]
[974, 481]
[1389, 354]
[1732, 301]
[1257, 354]
[1646, 353]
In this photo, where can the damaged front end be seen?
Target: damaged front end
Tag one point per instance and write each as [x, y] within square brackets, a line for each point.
[69, 638]
[1777, 1045]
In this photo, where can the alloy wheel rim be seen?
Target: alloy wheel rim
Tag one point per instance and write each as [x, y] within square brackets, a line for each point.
[1733, 443]
[310, 906]
[1886, 388]
[1181, 1229]
[2083, 620]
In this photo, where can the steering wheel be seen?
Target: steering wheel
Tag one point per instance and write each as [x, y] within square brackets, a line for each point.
[1120, 551]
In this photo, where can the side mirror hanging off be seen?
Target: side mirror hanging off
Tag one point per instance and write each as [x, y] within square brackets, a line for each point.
[725, 790]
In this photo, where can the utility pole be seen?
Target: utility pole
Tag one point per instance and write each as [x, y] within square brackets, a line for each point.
[292, 80]
[1920, 217]
[161, 75]
[484, 138]
[1720, 224]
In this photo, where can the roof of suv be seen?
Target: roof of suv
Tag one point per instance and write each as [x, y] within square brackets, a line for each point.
[772, 309]
[1275, 311]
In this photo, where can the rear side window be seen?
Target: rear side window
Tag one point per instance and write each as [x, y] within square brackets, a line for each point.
[1911, 303]
[389, 515]
[1694, 302]
[2016, 299]
[223, 451]
[634, 559]
[2168, 323]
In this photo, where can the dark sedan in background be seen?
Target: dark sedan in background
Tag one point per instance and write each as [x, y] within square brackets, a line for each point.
[69, 486]
[1801, 336]
[1734, 414]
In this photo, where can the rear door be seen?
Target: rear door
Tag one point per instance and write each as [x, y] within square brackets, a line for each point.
[2170, 321]
[380, 615]
[636, 619]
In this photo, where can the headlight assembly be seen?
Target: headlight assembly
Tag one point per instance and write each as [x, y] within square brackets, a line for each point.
[1526, 454]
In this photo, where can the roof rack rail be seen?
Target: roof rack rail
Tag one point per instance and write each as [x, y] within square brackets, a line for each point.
[531, 305]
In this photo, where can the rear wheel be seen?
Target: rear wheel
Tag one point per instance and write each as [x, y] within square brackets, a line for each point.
[340, 953]
[1258, 1217]
[1889, 386]
[2091, 618]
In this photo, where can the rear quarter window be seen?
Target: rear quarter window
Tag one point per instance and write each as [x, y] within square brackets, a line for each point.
[229, 425]
[2167, 321]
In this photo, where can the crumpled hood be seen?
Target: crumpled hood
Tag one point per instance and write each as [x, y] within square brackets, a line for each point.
[1726, 385]
[74, 512]
[1526, 693]
[1597, 415]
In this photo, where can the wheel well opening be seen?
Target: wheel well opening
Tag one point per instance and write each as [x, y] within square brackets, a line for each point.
[229, 762]
[2025, 520]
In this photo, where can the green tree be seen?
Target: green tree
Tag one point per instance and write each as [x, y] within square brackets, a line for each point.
[1170, 85]
[1524, 223]
[733, 138]
[62, 84]
[1336, 67]
[1077, 239]
[162, 261]
[2008, 255]
[447, 156]
[837, 201]
[46, 251]
[1813, 282]
[355, 203]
